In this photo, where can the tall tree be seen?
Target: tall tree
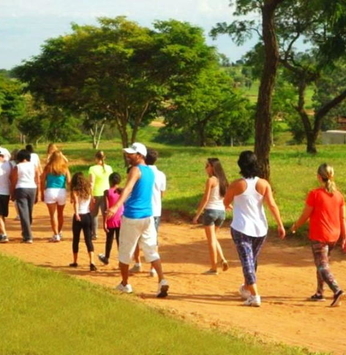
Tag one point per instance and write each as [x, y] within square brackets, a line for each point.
[240, 31]
[118, 70]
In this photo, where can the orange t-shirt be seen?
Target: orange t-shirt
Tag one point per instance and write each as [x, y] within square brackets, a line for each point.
[325, 223]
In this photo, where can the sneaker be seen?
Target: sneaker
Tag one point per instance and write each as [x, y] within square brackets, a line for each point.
[93, 267]
[317, 298]
[152, 272]
[124, 289]
[60, 235]
[162, 291]
[136, 268]
[244, 293]
[94, 237]
[73, 265]
[253, 301]
[55, 239]
[224, 264]
[3, 239]
[27, 241]
[210, 272]
[337, 298]
[103, 259]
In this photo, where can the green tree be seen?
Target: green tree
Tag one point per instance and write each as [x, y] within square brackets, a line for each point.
[212, 112]
[117, 71]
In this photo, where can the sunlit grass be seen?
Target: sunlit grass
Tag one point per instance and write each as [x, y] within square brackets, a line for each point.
[43, 312]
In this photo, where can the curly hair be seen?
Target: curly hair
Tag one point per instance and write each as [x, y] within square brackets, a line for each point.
[80, 185]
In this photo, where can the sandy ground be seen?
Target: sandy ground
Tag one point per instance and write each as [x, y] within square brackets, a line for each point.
[286, 278]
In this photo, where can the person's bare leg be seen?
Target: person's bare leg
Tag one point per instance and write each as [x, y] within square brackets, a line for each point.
[60, 211]
[53, 218]
[2, 225]
[211, 238]
[158, 268]
[124, 270]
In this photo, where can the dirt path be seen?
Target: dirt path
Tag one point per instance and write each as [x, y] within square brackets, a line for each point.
[286, 278]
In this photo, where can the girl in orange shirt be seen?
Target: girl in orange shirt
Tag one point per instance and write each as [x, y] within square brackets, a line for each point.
[325, 208]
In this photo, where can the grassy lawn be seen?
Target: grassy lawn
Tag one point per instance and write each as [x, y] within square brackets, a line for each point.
[43, 312]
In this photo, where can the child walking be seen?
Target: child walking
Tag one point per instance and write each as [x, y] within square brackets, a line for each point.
[111, 225]
[81, 199]
[325, 209]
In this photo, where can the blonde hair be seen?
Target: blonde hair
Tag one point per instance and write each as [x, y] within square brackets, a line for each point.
[100, 156]
[51, 148]
[56, 165]
[326, 172]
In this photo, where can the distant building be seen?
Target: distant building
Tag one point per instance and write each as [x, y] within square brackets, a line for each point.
[334, 137]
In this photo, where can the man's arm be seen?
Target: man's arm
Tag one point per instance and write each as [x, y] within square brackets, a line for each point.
[132, 177]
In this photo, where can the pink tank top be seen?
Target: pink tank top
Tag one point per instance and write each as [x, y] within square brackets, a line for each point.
[115, 220]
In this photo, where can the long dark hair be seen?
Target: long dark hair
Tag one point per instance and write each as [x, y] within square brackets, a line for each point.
[219, 173]
[248, 164]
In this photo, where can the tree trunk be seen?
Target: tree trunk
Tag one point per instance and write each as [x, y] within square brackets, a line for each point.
[263, 118]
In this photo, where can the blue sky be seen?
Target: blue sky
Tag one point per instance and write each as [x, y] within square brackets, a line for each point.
[26, 24]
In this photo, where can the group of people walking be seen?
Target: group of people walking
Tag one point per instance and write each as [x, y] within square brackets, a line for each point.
[131, 214]
[246, 197]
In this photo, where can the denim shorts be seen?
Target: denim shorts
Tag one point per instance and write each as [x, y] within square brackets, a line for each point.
[213, 217]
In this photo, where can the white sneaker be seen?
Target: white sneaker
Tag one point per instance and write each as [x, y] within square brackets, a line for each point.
[124, 289]
[253, 301]
[162, 291]
[244, 293]
[152, 272]
[55, 239]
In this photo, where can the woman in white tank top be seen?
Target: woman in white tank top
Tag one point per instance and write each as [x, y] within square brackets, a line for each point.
[213, 212]
[249, 226]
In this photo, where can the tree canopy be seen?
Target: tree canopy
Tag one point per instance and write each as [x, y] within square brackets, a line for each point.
[118, 71]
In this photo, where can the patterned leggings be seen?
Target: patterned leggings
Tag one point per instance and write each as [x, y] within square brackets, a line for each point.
[321, 253]
[248, 249]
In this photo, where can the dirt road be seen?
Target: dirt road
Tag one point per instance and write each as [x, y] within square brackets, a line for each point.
[286, 278]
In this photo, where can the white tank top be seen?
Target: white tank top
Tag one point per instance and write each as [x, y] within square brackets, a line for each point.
[248, 212]
[215, 201]
[83, 206]
[26, 175]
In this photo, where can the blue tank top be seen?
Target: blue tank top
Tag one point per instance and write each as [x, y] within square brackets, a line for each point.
[138, 205]
[55, 181]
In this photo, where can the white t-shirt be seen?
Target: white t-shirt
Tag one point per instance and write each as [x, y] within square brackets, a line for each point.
[5, 170]
[26, 175]
[159, 187]
[35, 159]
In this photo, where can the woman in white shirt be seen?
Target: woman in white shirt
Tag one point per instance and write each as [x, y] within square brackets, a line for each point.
[24, 183]
[214, 212]
[249, 226]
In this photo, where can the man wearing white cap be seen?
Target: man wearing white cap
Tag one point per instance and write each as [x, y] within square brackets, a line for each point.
[138, 224]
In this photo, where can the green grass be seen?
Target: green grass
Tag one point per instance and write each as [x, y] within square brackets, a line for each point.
[293, 171]
[43, 312]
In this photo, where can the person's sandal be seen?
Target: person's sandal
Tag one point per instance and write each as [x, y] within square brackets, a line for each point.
[93, 267]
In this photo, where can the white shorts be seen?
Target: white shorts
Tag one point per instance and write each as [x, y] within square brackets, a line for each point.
[52, 195]
[141, 231]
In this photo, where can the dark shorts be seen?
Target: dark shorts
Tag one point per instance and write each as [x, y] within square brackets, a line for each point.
[4, 201]
[213, 217]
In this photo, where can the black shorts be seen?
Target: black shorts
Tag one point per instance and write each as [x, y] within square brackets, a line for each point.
[4, 201]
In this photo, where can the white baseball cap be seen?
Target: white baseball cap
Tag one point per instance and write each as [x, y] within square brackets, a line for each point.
[137, 148]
